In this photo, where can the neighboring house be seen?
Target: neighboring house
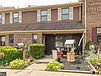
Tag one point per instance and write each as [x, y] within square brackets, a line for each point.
[93, 20]
[51, 25]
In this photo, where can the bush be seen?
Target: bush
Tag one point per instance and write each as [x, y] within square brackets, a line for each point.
[37, 50]
[18, 64]
[10, 53]
[54, 66]
[88, 44]
[93, 59]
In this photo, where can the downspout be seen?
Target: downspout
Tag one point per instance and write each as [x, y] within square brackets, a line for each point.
[85, 21]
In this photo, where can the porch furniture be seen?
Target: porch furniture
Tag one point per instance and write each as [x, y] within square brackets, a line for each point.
[70, 50]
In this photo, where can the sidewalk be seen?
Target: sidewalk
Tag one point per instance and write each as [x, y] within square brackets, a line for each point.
[41, 73]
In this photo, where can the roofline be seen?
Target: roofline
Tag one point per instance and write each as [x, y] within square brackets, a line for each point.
[76, 4]
[43, 31]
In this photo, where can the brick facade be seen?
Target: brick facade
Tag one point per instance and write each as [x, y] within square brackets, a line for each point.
[93, 16]
[23, 38]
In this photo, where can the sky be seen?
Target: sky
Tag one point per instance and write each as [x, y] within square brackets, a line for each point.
[25, 3]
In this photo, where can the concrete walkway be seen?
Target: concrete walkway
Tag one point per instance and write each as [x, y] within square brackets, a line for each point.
[41, 73]
[40, 64]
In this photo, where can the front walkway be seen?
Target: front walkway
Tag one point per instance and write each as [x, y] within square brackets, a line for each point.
[40, 64]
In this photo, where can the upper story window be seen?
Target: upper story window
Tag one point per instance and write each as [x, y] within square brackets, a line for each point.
[65, 13]
[44, 15]
[0, 18]
[15, 17]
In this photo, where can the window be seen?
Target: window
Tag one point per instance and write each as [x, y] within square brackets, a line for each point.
[2, 40]
[99, 35]
[34, 38]
[59, 41]
[44, 15]
[59, 37]
[15, 17]
[0, 19]
[11, 38]
[65, 13]
[58, 44]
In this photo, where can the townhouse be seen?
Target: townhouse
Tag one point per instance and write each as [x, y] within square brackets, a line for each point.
[51, 25]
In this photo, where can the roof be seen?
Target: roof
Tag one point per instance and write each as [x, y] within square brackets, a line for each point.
[76, 4]
[42, 26]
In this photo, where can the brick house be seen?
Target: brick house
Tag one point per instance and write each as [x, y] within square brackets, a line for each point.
[51, 25]
[93, 20]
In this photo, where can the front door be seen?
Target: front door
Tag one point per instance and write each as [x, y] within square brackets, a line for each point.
[50, 44]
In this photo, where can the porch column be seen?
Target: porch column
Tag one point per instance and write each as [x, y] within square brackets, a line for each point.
[39, 41]
[84, 42]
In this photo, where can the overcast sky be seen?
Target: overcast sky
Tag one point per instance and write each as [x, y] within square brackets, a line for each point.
[24, 3]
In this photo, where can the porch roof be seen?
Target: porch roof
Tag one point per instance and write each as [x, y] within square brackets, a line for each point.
[42, 26]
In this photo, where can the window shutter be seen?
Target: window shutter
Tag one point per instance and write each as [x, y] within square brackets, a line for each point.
[49, 14]
[71, 13]
[79, 13]
[94, 34]
[59, 13]
[3, 18]
[38, 15]
[11, 17]
[20, 16]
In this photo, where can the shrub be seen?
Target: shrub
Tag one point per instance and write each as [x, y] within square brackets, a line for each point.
[18, 64]
[10, 53]
[37, 50]
[93, 59]
[88, 44]
[54, 66]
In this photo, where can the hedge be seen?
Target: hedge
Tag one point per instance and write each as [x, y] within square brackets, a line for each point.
[11, 53]
[37, 50]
